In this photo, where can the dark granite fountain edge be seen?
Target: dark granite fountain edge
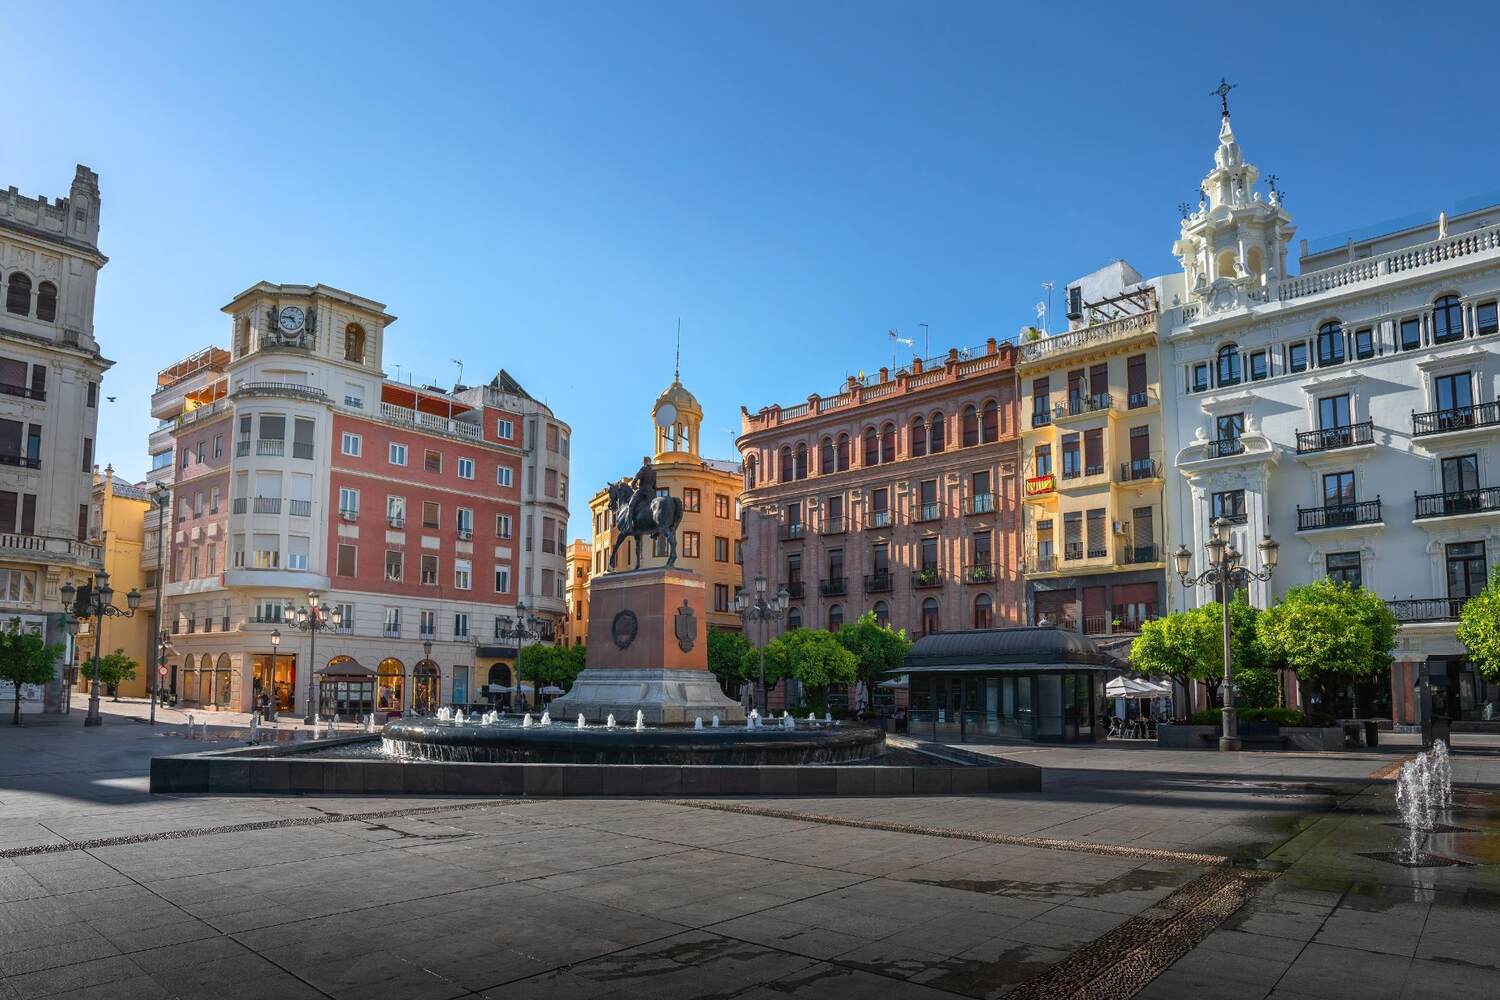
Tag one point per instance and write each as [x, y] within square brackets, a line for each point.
[280, 770]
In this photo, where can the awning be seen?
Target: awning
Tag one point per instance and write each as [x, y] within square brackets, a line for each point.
[344, 668]
[898, 684]
[1130, 687]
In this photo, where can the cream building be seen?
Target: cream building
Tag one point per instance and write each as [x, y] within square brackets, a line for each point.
[708, 539]
[117, 524]
[50, 373]
[580, 563]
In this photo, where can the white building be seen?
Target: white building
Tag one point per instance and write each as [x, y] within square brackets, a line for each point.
[50, 372]
[1349, 411]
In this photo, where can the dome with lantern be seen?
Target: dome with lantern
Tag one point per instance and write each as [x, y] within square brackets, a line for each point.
[677, 416]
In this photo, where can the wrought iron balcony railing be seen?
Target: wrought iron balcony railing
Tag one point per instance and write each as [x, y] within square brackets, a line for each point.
[1339, 515]
[878, 583]
[1456, 418]
[1452, 504]
[1329, 438]
[1426, 609]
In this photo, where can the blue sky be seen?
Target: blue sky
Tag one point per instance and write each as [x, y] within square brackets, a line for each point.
[536, 186]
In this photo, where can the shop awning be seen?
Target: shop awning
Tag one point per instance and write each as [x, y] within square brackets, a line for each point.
[344, 668]
[1131, 687]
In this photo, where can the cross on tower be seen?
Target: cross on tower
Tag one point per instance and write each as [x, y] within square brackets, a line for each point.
[1222, 93]
[1271, 183]
[1182, 207]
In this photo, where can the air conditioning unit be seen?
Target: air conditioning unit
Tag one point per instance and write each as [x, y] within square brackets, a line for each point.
[465, 534]
[348, 514]
[397, 521]
[1121, 527]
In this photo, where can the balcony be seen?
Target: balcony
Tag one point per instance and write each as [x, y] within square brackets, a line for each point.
[1090, 337]
[835, 525]
[391, 632]
[1224, 447]
[794, 589]
[396, 520]
[290, 390]
[1082, 406]
[416, 420]
[241, 449]
[1332, 438]
[303, 340]
[979, 573]
[1099, 553]
[1072, 551]
[926, 579]
[349, 513]
[48, 548]
[833, 586]
[23, 391]
[1426, 609]
[1043, 564]
[1339, 515]
[793, 532]
[267, 505]
[270, 446]
[1142, 399]
[1041, 418]
[1131, 555]
[238, 505]
[1484, 500]
[299, 508]
[879, 519]
[21, 461]
[1140, 470]
[878, 583]
[980, 503]
[928, 512]
[302, 449]
[1457, 418]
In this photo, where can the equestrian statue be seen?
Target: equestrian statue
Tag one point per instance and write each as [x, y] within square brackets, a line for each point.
[640, 513]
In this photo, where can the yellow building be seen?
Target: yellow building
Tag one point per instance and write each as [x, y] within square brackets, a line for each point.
[1091, 443]
[580, 562]
[707, 540]
[117, 524]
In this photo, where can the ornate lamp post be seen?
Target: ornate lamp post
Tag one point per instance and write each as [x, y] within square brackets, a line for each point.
[1226, 573]
[161, 495]
[312, 619]
[760, 609]
[93, 601]
[525, 625]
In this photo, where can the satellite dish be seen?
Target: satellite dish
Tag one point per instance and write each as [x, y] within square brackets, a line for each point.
[666, 415]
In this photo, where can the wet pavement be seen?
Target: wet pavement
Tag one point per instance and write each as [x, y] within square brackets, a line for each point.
[1134, 872]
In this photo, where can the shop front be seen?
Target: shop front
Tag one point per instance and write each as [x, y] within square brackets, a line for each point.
[346, 689]
[426, 687]
[1038, 683]
[274, 674]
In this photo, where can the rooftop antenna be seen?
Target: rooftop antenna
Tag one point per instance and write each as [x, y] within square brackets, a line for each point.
[397, 366]
[460, 364]
[677, 360]
[1047, 319]
[926, 341]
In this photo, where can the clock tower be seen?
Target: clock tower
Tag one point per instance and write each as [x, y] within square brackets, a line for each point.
[677, 417]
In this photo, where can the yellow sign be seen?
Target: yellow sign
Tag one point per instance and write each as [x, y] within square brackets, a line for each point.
[1037, 485]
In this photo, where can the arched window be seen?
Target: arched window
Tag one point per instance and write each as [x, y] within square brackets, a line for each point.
[794, 618]
[390, 685]
[188, 685]
[1229, 365]
[800, 467]
[18, 294]
[970, 429]
[750, 464]
[882, 614]
[930, 621]
[888, 443]
[937, 434]
[984, 611]
[826, 462]
[843, 450]
[989, 422]
[46, 302]
[872, 447]
[786, 465]
[1330, 344]
[1447, 318]
[354, 343]
[918, 446]
[223, 685]
[835, 618]
[425, 682]
[1227, 267]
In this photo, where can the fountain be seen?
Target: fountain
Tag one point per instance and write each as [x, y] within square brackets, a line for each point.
[787, 722]
[445, 714]
[715, 723]
[698, 723]
[827, 716]
[752, 721]
[640, 720]
[582, 723]
[1424, 792]
[458, 716]
[546, 719]
[609, 723]
[812, 717]
[526, 722]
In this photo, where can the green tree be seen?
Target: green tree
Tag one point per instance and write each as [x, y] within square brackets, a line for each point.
[1479, 628]
[1183, 645]
[1256, 687]
[25, 659]
[1331, 634]
[878, 649]
[814, 658]
[728, 653]
[543, 664]
[113, 668]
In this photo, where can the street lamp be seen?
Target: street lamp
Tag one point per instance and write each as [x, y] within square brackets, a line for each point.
[161, 495]
[525, 625]
[760, 609]
[1226, 571]
[93, 601]
[72, 624]
[312, 619]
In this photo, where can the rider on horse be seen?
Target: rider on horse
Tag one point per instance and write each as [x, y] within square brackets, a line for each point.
[645, 490]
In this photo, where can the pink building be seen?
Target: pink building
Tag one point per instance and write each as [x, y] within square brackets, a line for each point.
[898, 496]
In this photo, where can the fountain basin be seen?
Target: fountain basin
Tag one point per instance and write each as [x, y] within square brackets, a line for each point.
[811, 743]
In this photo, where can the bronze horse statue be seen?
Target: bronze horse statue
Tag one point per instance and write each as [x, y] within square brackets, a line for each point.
[659, 519]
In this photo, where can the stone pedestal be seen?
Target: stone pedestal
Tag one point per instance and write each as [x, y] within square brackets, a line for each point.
[647, 651]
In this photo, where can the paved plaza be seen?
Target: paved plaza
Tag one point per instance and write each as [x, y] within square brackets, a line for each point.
[1134, 872]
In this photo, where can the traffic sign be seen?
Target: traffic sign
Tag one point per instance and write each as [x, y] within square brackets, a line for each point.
[162, 671]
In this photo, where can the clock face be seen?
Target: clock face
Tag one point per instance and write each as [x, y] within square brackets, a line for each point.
[666, 415]
[290, 319]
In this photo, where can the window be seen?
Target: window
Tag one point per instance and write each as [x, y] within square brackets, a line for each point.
[392, 625]
[1199, 379]
[1447, 320]
[1461, 474]
[218, 445]
[1454, 391]
[347, 559]
[1072, 464]
[302, 438]
[691, 543]
[354, 396]
[548, 529]
[46, 303]
[984, 608]
[794, 618]
[888, 443]
[826, 461]
[431, 514]
[931, 620]
[1486, 317]
[1466, 569]
[835, 618]
[298, 549]
[1343, 567]
[1093, 451]
[1330, 344]
[427, 623]
[1364, 343]
[937, 434]
[1230, 426]
[691, 499]
[929, 555]
[397, 454]
[502, 526]
[395, 565]
[1098, 545]
[354, 343]
[465, 522]
[1333, 411]
[348, 503]
[1043, 459]
[88, 454]
[549, 482]
[352, 443]
[505, 475]
[989, 422]
[552, 437]
[213, 500]
[1338, 489]
[1229, 504]
[1296, 357]
[882, 614]
[799, 465]
[918, 446]
[18, 295]
[505, 429]
[872, 447]
[465, 468]
[721, 597]
[880, 508]
[395, 511]
[462, 574]
[1411, 334]
[1259, 366]
[432, 461]
[429, 570]
[1136, 381]
[721, 549]
[502, 579]
[721, 505]
[1229, 365]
